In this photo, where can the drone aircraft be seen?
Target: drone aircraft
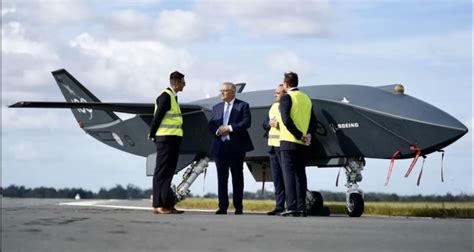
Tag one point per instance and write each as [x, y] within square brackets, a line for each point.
[354, 122]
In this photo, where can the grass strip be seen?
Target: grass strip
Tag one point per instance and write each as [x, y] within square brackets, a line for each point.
[415, 209]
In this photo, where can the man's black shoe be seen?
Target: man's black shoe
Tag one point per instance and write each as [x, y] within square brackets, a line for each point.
[276, 211]
[238, 212]
[221, 211]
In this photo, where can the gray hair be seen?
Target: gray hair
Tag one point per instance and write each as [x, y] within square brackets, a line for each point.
[232, 86]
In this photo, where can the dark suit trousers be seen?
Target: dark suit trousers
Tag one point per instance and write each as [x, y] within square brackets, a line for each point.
[294, 175]
[277, 175]
[166, 160]
[235, 161]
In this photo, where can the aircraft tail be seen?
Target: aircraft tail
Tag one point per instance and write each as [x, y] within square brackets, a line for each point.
[75, 92]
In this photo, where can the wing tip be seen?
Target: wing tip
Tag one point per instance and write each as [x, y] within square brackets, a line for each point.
[59, 71]
[17, 105]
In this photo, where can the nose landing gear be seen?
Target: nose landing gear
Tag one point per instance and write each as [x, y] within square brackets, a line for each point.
[354, 195]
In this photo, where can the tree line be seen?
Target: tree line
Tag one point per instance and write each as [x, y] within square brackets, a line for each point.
[117, 192]
[134, 192]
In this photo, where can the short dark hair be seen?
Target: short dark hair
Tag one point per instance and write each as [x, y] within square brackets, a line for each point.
[176, 77]
[291, 79]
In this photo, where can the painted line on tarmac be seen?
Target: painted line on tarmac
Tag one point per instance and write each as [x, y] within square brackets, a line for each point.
[100, 203]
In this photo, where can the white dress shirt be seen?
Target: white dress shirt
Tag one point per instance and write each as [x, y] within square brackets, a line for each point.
[227, 105]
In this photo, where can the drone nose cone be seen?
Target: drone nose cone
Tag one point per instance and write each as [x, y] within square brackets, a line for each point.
[453, 123]
[422, 125]
[458, 129]
[440, 132]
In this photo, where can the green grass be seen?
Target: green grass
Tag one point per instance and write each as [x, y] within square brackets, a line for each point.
[249, 205]
[416, 209]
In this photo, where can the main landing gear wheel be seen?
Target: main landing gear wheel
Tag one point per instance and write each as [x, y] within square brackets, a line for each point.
[315, 204]
[355, 207]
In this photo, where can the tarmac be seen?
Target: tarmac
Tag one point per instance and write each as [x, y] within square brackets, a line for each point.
[129, 225]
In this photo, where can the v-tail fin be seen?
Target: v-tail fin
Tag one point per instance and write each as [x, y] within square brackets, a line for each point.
[75, 92]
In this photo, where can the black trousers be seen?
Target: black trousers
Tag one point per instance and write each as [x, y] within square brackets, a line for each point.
[294, 176]
[166, 160]
[277, 175]
[235, 161]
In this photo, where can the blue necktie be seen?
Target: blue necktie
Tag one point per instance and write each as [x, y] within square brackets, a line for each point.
[226, 120]
[226, 114]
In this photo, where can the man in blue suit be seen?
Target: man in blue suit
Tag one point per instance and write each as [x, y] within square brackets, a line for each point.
[230, 141]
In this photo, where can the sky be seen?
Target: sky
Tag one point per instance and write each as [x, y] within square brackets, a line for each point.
[124, 50]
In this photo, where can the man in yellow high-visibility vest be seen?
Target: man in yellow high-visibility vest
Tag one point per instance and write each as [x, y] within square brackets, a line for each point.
[298, 124]
[166, 132]
[271, 125]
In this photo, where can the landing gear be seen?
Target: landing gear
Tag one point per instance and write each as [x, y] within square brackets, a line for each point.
[355, 207]
[314, 204]
[354, 195]
[189, 176]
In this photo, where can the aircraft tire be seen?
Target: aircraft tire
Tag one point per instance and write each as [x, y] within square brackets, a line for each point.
[325, 211]
[356, 205]
[314, 203]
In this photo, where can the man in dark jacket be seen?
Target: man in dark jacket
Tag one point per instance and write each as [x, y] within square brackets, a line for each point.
[166, 132]
[229, 122]
[296, 130]
[272, 126]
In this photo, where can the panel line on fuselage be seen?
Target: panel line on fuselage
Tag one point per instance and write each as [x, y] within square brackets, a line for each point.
[104, 125]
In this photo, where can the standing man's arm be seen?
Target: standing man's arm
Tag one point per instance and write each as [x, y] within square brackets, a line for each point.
[213, 124]
[312, 123]
[285, 108]
[246, 121]
[266, 124]
[163, 105]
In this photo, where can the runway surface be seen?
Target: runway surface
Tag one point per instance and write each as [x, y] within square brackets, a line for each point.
[68, 225]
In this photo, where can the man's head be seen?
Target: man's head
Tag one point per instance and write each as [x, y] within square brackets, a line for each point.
[177, 82]
[279, 92]
[290, 80]
[228, 91]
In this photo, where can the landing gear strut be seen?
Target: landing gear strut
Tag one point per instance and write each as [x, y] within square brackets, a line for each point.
[354, 195]
[189, 176]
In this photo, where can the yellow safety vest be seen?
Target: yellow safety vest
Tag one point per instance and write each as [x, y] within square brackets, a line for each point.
[172, 123]
[300, 113]
[274, 133]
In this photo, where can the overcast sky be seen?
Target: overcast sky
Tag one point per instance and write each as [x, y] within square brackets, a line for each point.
[124, 50]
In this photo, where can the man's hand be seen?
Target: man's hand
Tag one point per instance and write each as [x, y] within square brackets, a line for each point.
[151, 138]
[223, 130]
[274, 123]
[307, 139]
